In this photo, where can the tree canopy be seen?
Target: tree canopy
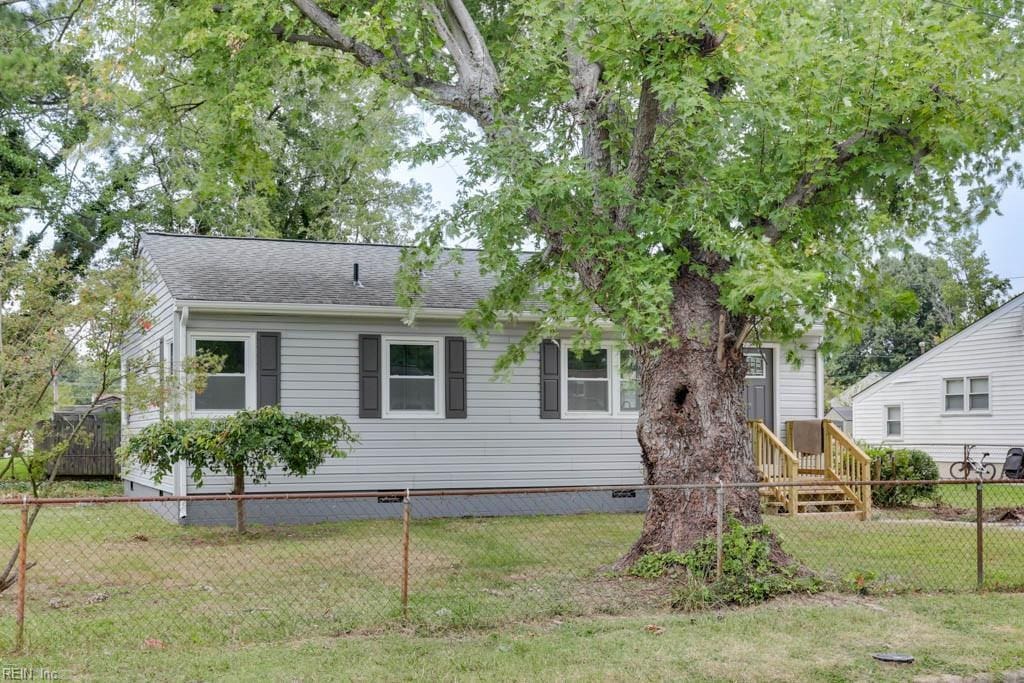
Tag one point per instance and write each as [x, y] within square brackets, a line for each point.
[933, 295]
[231, 134]
[776, 147]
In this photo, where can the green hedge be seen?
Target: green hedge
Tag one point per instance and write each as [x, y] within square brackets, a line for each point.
[902, 463]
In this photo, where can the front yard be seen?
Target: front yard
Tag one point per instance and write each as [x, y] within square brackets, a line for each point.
[118, 591]
[823, 638]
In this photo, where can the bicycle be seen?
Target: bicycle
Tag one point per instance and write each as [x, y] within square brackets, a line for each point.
[971, 465]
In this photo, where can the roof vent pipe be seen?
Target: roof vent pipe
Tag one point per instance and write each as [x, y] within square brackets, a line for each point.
[355, 276]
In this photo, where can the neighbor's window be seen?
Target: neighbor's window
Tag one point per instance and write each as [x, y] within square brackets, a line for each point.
[967, 394]
[977, 398]
[629, 395]
[225, 390]
[954, 395]
[893, 421]
[588, 381]
[412, 377]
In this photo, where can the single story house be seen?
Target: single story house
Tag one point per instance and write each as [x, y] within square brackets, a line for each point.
[315, 327]
[968, 390]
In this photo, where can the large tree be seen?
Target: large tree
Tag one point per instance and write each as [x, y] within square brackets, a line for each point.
[702, 174]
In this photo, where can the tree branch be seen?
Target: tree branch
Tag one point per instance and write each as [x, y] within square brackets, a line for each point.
[478, 79]
[810, 183]
[648, 111]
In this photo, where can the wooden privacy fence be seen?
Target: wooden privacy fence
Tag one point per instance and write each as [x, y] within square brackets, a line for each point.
[92, 453]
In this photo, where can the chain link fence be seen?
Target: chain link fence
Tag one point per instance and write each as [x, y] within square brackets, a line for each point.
[127, 572]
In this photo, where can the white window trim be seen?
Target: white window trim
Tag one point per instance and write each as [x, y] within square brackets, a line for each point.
[614, 385]
[617, 386]
[966, 410]
[438, 412]
[250, 368]
[885, 422]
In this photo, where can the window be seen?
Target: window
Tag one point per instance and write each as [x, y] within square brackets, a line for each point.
[588, 382]
[977, 398]
[954, 395]
[970, 394]
[893, 421]
[229, 389]
[413, 367]
[598, 382]
[629, 395]
[756, 367]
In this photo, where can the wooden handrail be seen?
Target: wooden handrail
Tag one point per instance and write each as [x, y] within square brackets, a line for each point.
[846, 442]
[775, 441]
[838, 447]
[768, 450]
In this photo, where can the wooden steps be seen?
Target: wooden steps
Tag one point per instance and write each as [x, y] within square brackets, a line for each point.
[824, 497]
[824, 480]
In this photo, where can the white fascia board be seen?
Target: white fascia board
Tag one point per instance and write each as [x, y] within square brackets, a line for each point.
[321, 309]
[817, 330]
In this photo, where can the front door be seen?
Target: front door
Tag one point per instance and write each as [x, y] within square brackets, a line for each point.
[760, 385]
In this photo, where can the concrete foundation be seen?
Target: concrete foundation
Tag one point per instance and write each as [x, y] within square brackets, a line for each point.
[389, 506]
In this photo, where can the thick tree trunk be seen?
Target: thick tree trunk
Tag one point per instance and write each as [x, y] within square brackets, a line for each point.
[692, 425]
[239, 489]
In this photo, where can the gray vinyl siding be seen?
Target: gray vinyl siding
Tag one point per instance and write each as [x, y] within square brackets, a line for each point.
[993, 347]
[798, 384]
[140, 344]
[502, 442]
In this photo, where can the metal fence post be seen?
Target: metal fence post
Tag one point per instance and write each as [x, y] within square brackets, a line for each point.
[719, 529]
[19, 642]
[405, 555]
[980, 526]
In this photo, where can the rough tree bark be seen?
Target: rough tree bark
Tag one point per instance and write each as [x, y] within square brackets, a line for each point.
[692, 425]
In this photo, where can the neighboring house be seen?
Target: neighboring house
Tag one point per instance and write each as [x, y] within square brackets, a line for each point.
[841, 406]
[842, 416]
[845, 398]
[967, 390]
[299, 328]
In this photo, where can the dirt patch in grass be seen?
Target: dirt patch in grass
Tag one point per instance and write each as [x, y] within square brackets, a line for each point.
[997, 515]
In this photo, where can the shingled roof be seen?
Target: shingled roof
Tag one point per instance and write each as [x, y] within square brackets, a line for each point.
[253, 270]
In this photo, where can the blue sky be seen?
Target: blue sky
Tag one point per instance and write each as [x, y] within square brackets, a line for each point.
[1001, 235]
[1003, 240]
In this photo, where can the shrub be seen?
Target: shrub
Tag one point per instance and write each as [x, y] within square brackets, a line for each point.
[749, 573]
[902, 464]
[655, 565]
[245, 445]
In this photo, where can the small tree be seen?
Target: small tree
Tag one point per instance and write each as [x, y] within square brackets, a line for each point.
[244, 445]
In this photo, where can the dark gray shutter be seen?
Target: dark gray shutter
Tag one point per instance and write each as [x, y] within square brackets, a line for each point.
[550, 385]
[369, 375]
[268, 369]
[455, 377]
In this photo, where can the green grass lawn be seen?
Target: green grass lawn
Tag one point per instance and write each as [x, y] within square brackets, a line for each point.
[993, 495]
[824, 638]
[13, 471]
[116, 586]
